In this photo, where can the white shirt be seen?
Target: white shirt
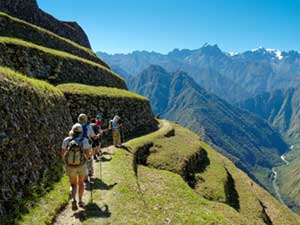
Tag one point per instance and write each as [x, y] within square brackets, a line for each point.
[90, 132]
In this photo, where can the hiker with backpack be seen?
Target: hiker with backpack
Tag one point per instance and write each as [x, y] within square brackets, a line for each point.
[96, 143]
[75, 152]
[116, 126]
[88, 132]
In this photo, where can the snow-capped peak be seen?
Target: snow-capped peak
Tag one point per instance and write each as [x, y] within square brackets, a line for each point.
[232, 53]
[275, 52]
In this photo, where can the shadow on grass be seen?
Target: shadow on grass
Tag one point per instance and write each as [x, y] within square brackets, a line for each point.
[100, 185]
[105, 159]
[92, 210]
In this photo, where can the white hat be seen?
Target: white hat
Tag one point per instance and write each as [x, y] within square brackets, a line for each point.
[76, 129]
[82, 118]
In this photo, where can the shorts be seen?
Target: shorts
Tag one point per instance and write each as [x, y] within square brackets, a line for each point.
[74, 171]
[96, 143]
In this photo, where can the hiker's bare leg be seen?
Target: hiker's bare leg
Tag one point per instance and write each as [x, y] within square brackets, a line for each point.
[81, 187]
[73, 182]
[114, 138]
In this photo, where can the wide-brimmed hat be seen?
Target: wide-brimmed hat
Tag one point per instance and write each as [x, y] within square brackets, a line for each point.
[76, 129]
[82, 118]
[116, 117]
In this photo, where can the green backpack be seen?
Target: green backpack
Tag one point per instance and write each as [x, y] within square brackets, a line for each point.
[74, 154]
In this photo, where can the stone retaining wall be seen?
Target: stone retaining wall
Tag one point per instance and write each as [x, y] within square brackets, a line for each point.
[136, 114]
[55, 67]
[33, 120]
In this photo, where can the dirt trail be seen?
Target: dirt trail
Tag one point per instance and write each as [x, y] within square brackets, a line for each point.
[93, 209]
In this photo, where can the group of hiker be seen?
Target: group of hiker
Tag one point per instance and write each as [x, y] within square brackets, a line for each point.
[82, 146]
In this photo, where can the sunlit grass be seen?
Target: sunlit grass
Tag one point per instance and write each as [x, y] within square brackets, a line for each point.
[57, 53]
[21, 80]
[82, 89]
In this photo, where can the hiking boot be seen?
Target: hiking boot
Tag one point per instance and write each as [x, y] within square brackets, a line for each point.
[81, 204]
[74, 205]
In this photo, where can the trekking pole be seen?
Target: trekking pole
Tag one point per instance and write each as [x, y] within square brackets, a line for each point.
[100, 167]
[91, 187]
[122, 135]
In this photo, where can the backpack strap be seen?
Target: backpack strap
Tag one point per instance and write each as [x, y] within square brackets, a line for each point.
[85, 130]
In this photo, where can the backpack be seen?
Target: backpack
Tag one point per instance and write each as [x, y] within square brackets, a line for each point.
[74, 154]
[85, 130]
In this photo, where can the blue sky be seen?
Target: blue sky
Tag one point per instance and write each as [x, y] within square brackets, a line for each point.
[121, 26]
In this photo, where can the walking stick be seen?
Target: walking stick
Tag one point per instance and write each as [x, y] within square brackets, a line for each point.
[122, 135]
[100, 167]
[91, 187]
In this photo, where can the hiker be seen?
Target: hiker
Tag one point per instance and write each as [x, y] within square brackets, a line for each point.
[75, 152]
[99, 121]
[96, 143]
[88, 132]
[115, 126]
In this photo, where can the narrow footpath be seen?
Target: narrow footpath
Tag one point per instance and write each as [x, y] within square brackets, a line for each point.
[93, 209]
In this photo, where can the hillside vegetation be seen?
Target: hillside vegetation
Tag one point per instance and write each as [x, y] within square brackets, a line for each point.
[82, 89]
[245, 138]
[281, 109]
[170, 177]
[16, 28]
[54, 65]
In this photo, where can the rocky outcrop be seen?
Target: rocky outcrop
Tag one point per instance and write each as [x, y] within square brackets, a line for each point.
[29, 11]
[55, 66]
[33, 122]
[13, 27]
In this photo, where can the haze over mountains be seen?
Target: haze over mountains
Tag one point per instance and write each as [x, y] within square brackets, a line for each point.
[234, 77]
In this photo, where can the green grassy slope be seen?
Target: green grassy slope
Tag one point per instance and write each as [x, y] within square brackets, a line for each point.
[82, 89]
[15, 41]
[219, 181]
[147, 184]
[53, 65]
[152, 185]
[16, 28]
[39, 86]
[243, 137]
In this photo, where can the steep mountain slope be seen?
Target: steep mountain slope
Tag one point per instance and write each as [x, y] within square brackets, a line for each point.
[29, 11]
[281, 109]
[246, 139]
[234, 77]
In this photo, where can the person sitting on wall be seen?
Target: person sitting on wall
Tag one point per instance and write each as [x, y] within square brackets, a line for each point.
[75, 152]
[115, 126]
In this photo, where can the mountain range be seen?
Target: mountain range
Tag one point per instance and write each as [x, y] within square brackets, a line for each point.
[232, 76]
[245, 138]
[281, 108]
